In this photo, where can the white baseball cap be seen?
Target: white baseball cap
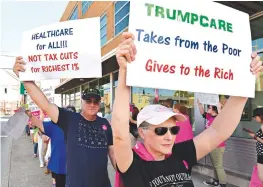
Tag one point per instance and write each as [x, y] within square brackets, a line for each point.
[157, 114]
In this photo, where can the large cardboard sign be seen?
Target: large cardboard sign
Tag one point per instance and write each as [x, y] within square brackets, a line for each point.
[185, 46]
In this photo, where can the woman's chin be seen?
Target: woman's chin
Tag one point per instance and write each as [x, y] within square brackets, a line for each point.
[166, 149]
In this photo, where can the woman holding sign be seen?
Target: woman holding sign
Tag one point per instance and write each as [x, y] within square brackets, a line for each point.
[157, 128]
[217, 155]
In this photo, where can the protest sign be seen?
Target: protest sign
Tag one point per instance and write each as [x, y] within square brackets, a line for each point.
[15, 126]
[69, 49]
[208, 99]
[49, 93]
[36, 113]
[31, 105]
[185, 46]
[48, 89]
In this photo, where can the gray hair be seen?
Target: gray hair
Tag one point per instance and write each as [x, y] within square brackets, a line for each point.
[144, 125]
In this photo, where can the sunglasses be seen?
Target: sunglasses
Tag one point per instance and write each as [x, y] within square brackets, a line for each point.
[89, 101]
[160, 131]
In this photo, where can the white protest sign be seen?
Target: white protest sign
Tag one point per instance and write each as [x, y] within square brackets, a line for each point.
[31, 104]
[208, 99]
[185, 46]
[48, 89]
[69, 49]
[49, 93]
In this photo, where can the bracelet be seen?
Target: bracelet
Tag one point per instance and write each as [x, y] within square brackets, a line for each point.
[255, 137]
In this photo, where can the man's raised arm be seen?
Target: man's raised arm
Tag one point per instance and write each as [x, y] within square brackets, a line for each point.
[36, 94]
[41, 100]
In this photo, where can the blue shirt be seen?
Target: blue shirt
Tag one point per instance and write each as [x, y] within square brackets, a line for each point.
[87, 149]
[57, 162]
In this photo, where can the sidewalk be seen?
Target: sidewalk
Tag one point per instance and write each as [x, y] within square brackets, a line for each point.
[25, 170]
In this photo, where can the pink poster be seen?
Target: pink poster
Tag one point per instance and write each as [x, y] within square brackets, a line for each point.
[156, 98]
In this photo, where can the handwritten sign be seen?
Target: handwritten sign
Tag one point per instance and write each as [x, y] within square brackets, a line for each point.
[192, 48]
[48, 88]
[49, 93]
[208, 99]
[69, 49]
[31, 105]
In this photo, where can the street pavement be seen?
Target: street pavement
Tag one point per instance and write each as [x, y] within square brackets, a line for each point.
[6, 145]
[25, 170]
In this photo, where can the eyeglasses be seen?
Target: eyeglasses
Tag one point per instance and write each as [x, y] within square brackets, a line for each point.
[94, 101]
[160, 131]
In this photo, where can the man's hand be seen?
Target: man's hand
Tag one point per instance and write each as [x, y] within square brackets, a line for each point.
[126, 50]
[19, 66]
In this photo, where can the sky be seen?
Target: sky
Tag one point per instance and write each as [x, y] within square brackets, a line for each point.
[19, 16]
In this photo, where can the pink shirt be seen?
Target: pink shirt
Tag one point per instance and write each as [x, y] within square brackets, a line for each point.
[209, 120]
[186, 132]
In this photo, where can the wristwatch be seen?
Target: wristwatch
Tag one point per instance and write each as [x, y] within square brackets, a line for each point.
[255, 137]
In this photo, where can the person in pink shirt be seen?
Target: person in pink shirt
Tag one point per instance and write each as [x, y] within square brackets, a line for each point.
[186, 131]
[218, 154]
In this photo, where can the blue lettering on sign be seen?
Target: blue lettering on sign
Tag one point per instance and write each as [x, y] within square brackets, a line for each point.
[53, 33]
[152, 37]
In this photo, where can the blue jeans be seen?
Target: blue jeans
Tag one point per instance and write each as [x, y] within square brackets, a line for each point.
[27, 130]
[35, 148]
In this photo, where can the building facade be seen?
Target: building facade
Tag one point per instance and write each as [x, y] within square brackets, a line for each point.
[9, 93]
[240, 153]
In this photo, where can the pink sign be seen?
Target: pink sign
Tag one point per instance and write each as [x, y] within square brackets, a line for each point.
[36, 113]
